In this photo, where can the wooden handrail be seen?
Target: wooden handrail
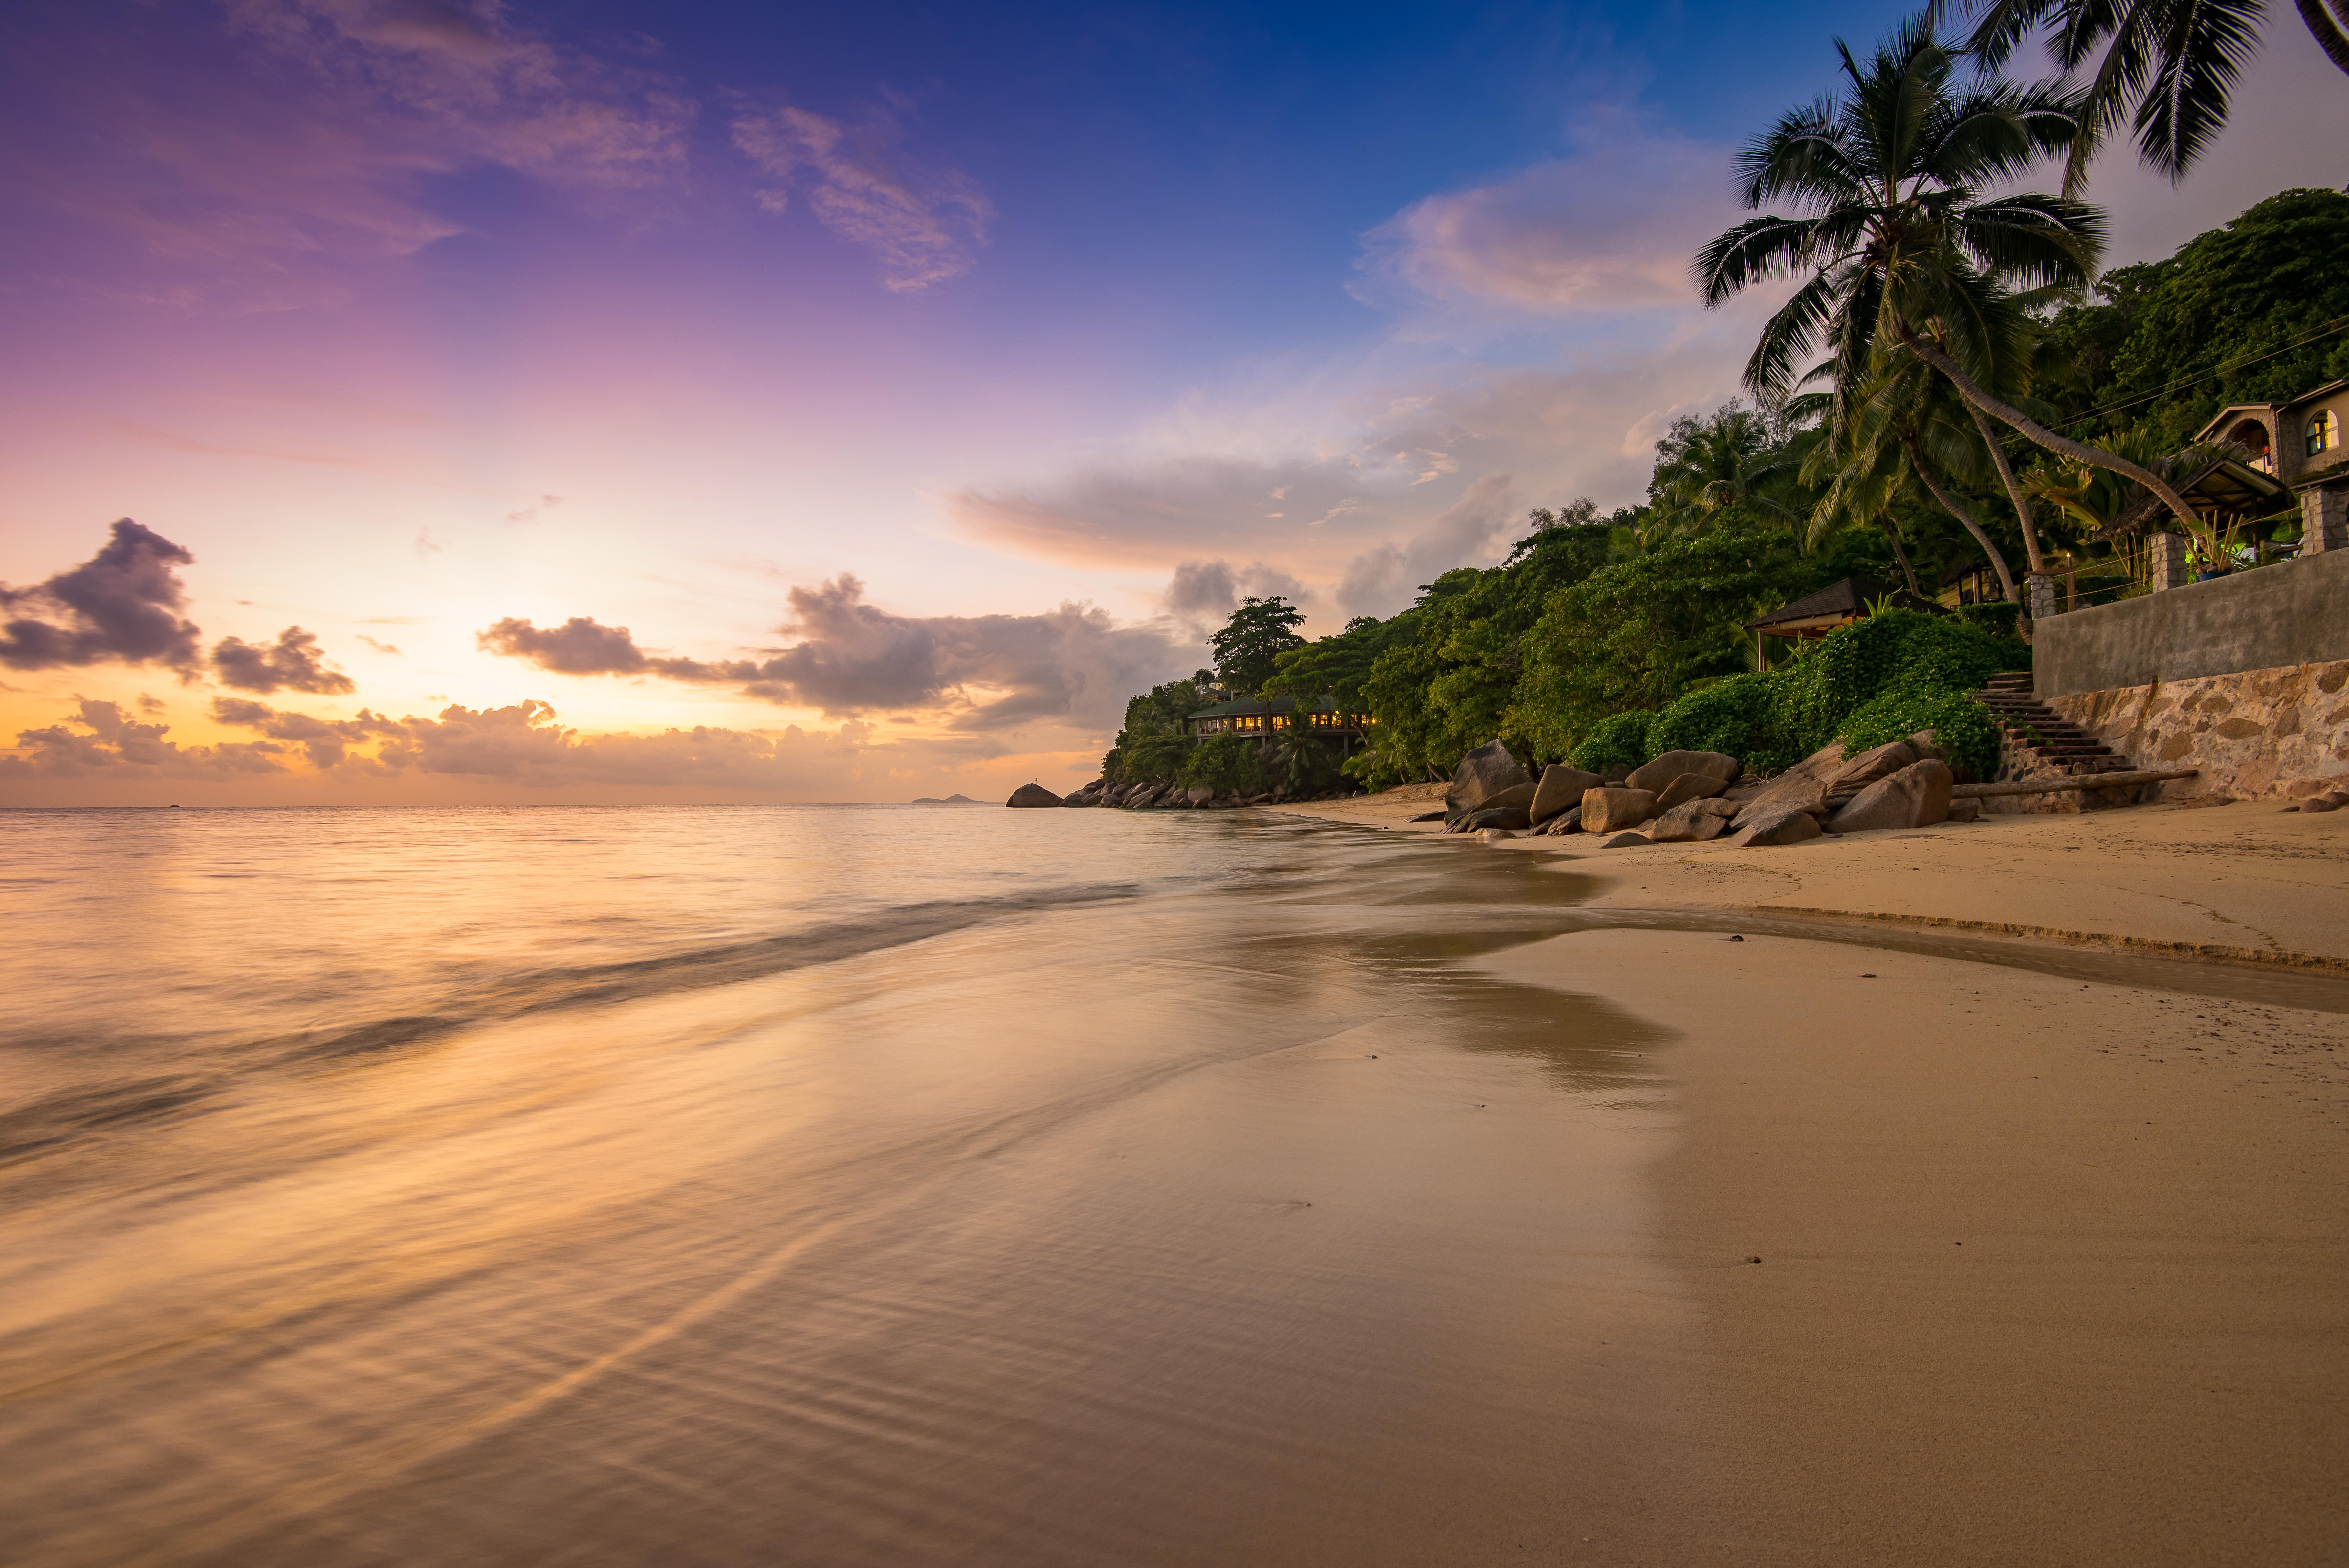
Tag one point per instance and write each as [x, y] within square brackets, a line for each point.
[2076, 781]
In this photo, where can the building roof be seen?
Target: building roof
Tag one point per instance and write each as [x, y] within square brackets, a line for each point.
[2221, 417]
[1843, 600]
[2222, 485]
[1243, 707]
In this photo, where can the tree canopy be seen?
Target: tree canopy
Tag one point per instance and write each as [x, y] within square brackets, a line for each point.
[1247, 647]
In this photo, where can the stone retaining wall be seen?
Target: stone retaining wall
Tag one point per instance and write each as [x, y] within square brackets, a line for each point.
[2283, 730]
[2253, 622]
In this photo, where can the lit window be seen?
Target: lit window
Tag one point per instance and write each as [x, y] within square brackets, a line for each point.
[2323, 432]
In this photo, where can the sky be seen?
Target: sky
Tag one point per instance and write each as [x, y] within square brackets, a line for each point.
[440, 401]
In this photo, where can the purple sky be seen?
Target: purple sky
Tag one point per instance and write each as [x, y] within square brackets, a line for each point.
[912, 386]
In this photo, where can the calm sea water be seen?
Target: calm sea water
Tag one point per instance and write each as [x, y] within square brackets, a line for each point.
[824, 1185]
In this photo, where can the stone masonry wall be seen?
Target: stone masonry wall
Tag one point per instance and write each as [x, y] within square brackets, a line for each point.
[2282, 731]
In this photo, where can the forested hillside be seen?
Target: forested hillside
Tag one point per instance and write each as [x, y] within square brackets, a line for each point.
[1605, 637]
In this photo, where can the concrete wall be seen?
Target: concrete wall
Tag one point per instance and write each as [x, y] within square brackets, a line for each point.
[2280, 732]
[2294, 613]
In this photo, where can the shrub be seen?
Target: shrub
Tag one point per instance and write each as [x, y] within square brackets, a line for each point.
[1224, 764]
[1877, 680]
[1739, 715]
[1619, 740]
[1998, 617]
[1961, 728]
[1154, 758]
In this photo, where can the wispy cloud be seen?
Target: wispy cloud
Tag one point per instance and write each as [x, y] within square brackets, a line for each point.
[1609, 228]
[250, 167]
[924, 223]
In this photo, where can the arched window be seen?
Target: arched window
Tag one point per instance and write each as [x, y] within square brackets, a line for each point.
[2323, 432]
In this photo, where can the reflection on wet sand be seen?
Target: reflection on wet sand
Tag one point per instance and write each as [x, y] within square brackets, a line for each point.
[1236, 1220]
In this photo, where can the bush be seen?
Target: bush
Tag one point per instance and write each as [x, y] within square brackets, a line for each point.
[1739, 715]
[1224, 764]
[1619, 740]
[1154, 758]
[1998, 617]
[1876, 681]
[1961, 728]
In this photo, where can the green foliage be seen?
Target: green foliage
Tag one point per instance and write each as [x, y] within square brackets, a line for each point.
[1740, 715]
[2259, 284]
[1637, 634]
[1961, 728]
[1253, 640]
[1155, 738]
[1155, 757]
[1619, 741]
[1998, 617]
[1448, 678]
[1376, 766]
[1721, 469]
[1223, 763]
[1875, 680]
[1336, 666]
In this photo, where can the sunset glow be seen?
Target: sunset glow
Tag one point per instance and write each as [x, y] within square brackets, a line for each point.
[912, 390]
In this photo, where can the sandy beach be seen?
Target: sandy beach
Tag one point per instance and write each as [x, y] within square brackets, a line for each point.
[2050, 1268]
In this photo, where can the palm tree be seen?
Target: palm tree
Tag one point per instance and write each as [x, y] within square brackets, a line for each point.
[1902, 255]
[1882, 455]
[2168, 64]
[1727, 463]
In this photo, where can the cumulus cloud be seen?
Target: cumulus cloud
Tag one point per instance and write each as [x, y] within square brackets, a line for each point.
[582, 645]
[988, 672]
[1382, 580]
[292, 664]
[925, 224]
[1609, 228]
[101, 738]
[526, 744]
[1205, 593]
[121, 606]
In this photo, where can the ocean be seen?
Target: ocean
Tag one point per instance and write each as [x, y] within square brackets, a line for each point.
[825, 1185]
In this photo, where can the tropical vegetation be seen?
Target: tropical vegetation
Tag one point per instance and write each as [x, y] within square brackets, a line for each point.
[1952, 399]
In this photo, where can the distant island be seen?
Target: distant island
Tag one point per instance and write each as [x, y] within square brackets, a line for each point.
[950, 800]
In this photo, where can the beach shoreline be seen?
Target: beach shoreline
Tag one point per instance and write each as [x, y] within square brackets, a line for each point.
[2049, 1268]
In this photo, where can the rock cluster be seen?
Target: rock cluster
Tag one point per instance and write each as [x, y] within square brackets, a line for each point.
[1161, 795]
[1695, 798]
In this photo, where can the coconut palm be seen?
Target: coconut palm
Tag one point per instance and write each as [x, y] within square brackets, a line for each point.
[1882, 455]
[1727, 463]
[1903, 254]
[2167, 65]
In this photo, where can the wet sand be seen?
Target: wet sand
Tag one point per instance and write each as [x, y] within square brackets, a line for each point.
[2052, 1270]
[1297, 1196]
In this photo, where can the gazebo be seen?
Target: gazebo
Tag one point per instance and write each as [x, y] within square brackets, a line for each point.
[1836, 605]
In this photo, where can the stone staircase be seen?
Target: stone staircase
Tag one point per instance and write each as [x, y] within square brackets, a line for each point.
[2037, 737]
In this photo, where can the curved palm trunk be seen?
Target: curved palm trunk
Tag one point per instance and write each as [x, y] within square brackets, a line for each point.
[2013, 491]
[2328, 21]
[2063, 446]
[1950, 504]
[1901, 554]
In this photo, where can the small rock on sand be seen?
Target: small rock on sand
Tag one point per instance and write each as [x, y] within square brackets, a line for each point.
[1782, 825]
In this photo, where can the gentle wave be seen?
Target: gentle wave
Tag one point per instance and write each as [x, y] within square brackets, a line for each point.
[50, 1123]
